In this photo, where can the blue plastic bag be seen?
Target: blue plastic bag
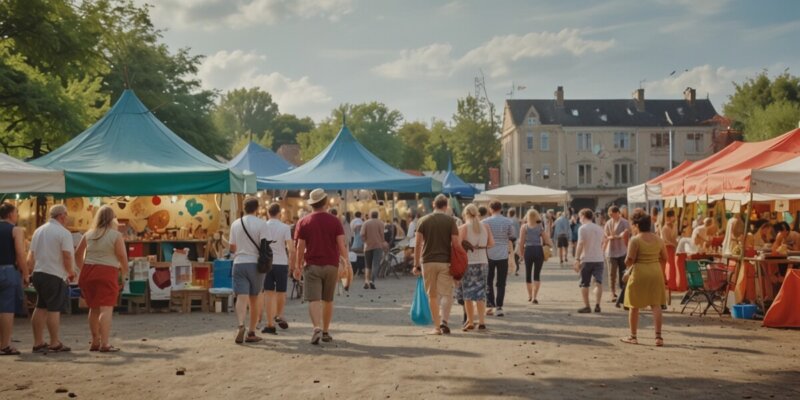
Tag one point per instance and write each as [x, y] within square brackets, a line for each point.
[420, 308]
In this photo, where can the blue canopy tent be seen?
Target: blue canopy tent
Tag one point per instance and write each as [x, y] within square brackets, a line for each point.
[263, 162]
[345, 165]
[453, 185]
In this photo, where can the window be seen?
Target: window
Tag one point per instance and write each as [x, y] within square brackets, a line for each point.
[622, 140]
[533, 121]
[544, 141]
[530, 140]
[545, 171]
[584, 141]
[623, 174]
[584, 174]
[528, 175]
[656, 171]
[694, 143]
[659, 141]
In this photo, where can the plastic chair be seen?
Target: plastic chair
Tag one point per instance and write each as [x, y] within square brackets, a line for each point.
[707, 282]
[222, 286]
[139, 296]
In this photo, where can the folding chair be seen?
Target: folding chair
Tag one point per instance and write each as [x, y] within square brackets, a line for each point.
[707, 281]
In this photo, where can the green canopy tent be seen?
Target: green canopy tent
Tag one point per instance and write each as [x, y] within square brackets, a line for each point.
[130, 152]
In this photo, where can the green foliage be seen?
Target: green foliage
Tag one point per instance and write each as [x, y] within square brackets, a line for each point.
[244, 112]
[473, 142]
[415, 137]
[437, 150]
[242, 142]
[286, 127]
[763, 107]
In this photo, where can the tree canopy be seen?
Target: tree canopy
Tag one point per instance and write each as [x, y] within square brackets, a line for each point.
[764, 108]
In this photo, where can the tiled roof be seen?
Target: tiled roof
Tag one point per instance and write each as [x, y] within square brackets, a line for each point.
[619, 112]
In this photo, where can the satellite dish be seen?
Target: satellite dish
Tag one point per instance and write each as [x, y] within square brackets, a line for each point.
[597, 149]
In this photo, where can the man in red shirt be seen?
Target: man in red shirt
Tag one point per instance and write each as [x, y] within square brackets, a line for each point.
[320, 243]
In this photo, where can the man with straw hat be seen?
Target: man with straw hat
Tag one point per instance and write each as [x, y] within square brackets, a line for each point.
[320, 248]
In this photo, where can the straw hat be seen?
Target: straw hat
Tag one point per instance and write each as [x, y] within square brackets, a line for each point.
[317, 196]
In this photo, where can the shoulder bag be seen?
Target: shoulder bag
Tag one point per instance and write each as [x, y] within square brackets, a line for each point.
[264, 263]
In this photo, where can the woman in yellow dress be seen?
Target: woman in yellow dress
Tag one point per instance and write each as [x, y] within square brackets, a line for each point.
[645, 285]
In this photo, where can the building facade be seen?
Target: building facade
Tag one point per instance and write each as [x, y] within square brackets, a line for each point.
[596, 149]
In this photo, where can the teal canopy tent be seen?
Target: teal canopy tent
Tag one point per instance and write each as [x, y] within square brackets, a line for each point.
[344, 165]
[454, 186]
[130, 152]
[262, 162]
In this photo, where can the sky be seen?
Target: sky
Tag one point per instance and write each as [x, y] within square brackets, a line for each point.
[420, 56]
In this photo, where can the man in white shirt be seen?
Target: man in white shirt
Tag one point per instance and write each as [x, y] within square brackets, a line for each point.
[589, 259]
[50, 258]
[701, 235]
[246, 235]
[277, 279]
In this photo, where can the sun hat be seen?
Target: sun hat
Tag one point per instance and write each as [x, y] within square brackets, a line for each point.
[316, 197]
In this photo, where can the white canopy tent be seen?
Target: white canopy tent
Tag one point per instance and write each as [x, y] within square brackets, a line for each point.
[21, 177]
[521, 194]
[781, 179]
[643, 193]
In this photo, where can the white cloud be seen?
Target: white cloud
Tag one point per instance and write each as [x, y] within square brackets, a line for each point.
[714, 81]
[497, 54]
[238, 14]
[235, 69]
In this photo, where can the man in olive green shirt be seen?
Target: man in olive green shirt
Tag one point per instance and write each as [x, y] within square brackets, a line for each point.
[435, 234]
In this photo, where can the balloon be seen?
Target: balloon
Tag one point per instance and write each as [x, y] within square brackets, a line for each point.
[156, 200]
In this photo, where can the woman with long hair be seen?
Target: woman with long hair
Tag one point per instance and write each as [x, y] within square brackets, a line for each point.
[477, 237]
[102, 259]
[532, 238]
[645, 280]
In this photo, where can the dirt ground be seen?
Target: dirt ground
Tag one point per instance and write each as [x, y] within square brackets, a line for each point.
[536, 351]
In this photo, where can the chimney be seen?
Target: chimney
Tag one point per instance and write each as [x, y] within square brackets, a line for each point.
[559, 93]
[638, 98]
[689, 95]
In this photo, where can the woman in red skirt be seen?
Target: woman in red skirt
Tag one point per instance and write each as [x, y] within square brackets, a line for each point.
[670, 236]
[101, 257]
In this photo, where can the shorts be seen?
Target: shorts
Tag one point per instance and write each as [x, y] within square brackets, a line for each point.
[589, 270]
[320, 282]
[247, 280]
[99, 285]
[10, 289]
[562, 241]
[277, 279]
[438, 280]
[52, 292]
[373, 258]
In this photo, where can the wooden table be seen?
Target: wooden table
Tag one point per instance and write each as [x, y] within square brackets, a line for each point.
[761, 262]
[186, 295]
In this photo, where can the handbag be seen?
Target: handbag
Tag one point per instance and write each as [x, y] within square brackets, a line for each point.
[420, 307]
[548, 252]
[458, 261]
[264, 264]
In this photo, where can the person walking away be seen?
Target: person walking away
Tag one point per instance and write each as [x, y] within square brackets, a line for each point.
[645, 286]
[502, 230]
[574, 225]
[473, 285]
[51, 256]
[358, 244]
[669, 234]
[589, 259]
[512, 215]
[102, 258]
[374, 243]
[435, 235]
[532, 236]
[276, 280]
[13, 273]
[562, 234]
[248, 282]
[320, 244]
[617, 230]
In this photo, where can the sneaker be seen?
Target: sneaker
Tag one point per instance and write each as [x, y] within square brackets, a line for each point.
[270, 329]
[499, 312]
[315, 338]
[584, 310]
[444, 328]
[326, 337]
[372, 285]
[597, 308]
[282, 323]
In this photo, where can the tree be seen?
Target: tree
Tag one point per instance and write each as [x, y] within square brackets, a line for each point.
[762, 107]
[415, 137]
[373, 124]
[286, 127]
[245, 112]
[242, 142]
[437, 152]
[473, 143]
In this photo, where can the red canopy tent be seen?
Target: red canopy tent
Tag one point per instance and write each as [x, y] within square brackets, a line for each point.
[673, 186]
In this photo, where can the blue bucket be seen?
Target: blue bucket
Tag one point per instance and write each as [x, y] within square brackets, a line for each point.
[744, 311]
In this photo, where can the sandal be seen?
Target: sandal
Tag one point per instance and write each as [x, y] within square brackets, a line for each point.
[108, 349]
[659, 340]
[326, 337]
[240, 335]
[468, 327]
[629, 340]
[481, 327]
[42, 348]
[252, 338]
[435, 332]
[281, 323]
[444, 328]
[60, 348]
[94, 348]
[9, 351]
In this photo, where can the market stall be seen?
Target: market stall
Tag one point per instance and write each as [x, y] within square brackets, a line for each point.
[453, 185]
[521, 194]
[262, 162]
[651, 190]
[21, 177]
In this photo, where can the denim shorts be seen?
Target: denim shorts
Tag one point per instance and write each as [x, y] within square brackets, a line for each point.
[247, 280]
[589, 270]
[10, 289]
[277, 279]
